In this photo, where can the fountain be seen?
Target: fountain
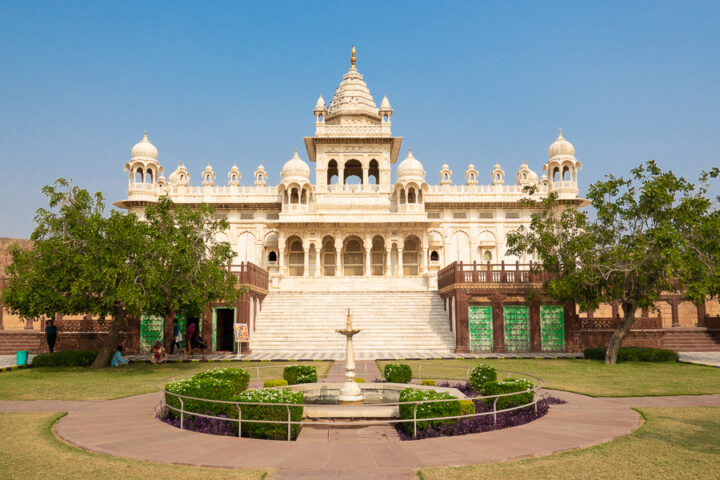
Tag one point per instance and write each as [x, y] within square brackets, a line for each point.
[350, 393]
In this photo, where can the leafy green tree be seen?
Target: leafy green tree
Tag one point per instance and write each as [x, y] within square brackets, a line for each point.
[117, 266]
[651, 233]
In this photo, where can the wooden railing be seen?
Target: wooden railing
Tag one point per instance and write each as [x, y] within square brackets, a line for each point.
[250, 274]
[612, 323]
[458, 272]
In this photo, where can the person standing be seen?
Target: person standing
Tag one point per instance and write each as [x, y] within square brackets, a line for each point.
[177, 337]
[51, 335]
[189, 336]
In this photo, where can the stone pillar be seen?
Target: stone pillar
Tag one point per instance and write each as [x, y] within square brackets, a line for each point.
[341, 175]
[674, 303]
[338, 259]
[365, 178]
[462, 332]
[424, 261]
[701, 312]
[281, 260]
[368, 261]
[498, 326]
[401, 272]
[388, 261]
[306, 261]
[318, 266]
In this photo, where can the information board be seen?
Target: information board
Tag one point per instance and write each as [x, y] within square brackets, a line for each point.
[152, 329]
[552, 328]
[517, 328]
[241, 332]
[481, 328]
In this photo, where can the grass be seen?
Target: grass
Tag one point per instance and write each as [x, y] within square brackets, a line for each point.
[33, 451]
[590, 377]
[673, 443]
[81, 383]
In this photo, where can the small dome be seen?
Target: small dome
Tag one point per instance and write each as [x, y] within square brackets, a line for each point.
[525, 176]
[295, 167]
[385, 105]
[320, 105]
[560, 147]
[145, 149]
[180, 176]
[410, 168]
[234, 175]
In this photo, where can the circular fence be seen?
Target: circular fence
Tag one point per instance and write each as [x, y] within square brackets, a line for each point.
[485, 399]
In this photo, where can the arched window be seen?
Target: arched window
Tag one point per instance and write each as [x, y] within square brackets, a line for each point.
[487, 256]
[434, 256]
[374, 173]
[139, 175]
[353, 258]
[565, 173]
[410, 257]
[272, 257]
[320, 118]
[327, 257]
[556, 174]
[149, 176]
[353, 173]
[303, 197]
[296, 259]
[377, 256]
[411, 195]
[294, 196]
[385, 118]
[332, 172]
[402, 196]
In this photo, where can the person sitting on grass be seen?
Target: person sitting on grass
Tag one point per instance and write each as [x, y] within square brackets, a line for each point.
[118, 360]
[157, 354]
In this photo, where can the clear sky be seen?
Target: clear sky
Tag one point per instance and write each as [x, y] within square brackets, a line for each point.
[224, 82]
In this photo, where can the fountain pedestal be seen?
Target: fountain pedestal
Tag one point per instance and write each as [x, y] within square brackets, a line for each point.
[350, 393]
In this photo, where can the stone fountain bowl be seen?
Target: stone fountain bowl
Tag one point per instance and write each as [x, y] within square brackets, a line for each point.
[321, 399]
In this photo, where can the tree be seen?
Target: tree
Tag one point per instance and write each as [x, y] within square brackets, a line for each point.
[117, 266]
[650, 234]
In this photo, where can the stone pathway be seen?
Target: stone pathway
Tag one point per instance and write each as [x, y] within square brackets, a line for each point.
[702, 358]
[11, 360]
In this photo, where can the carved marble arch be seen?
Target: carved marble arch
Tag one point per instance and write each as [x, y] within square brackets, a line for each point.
[353, 256]
[377, 255]
[246, 247]
[411, 256]
[353, 170]
[149, 175]
[296, 256]
[328, 256]
[459, 247]
[332, 172]
[373, 172]
[139, 175]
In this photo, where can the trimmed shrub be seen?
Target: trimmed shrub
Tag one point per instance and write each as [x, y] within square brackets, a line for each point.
[208, 388]
[427, 410]
[300, 374]
[480, 375]
[508, 385]
[271, 431]
[237, 376]
[359, 380]
[428, 381]
[68, 358]
[280, 382]
[467, 407]
[632, 354]
[397, 373]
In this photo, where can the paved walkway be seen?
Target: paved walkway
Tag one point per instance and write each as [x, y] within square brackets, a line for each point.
[702, 358]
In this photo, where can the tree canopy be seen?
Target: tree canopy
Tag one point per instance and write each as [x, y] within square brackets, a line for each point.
[652, 232]
[117, 265]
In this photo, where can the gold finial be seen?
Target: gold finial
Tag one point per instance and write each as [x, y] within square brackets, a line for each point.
[559, 132]
[353, 58]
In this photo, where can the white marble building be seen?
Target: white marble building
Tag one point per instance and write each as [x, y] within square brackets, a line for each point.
[349, 225]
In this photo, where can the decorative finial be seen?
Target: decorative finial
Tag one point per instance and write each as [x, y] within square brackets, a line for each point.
[295, 150]
[353, 58]
[559, 132]
[145, 138]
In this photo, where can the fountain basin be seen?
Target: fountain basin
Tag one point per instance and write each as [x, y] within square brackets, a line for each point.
[322, 399]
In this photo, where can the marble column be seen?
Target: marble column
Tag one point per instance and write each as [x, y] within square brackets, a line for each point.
[338, 259]
[306, 261]
[400, 271]
[424, 261]
[388, 262]
[368, 261]
[318, 266]
[365, 186]
[281, 261]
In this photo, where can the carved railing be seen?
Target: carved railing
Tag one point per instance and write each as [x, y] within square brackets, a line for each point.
[248, 273]
[458, 272]
[612, 323]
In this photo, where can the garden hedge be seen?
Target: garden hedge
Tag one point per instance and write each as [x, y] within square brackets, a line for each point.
[279, 382]
[508, 385]
[208, 388]
[480, 375]
[237, 376]
[300, 374]
[68, 358]
[271, 431]
[397, 373]
[427, 410]
[428, 381]
[634, 354]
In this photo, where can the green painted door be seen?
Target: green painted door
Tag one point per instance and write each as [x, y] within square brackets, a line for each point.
[214, 330]
[552, 328]
[517, 328]
[481, 328]
[152, 330]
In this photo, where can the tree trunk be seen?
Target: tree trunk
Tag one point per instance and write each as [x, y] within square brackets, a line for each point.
[613, 347]
[110, 343]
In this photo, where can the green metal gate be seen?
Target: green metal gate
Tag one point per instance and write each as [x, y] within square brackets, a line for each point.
[152, 330]
[517, 331]
[481, 328]
[552, 328]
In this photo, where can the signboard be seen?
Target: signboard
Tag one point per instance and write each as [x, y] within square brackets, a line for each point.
[481, 328]
[552, 328]
[517, 333]
[151, 331]
[241, 332]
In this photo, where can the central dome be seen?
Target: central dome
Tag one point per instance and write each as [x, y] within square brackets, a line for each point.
[295, 167]
[352, 95]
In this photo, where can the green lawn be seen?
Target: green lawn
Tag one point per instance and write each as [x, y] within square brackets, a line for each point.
[673, 443]
[33, 452]
[80, 383]
[590, 377]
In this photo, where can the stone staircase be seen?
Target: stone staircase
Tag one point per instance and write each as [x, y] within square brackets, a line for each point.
[692, 340]
[13, 340]
[390, 322]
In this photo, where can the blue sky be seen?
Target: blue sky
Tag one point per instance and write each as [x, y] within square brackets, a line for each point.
[225, 82]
